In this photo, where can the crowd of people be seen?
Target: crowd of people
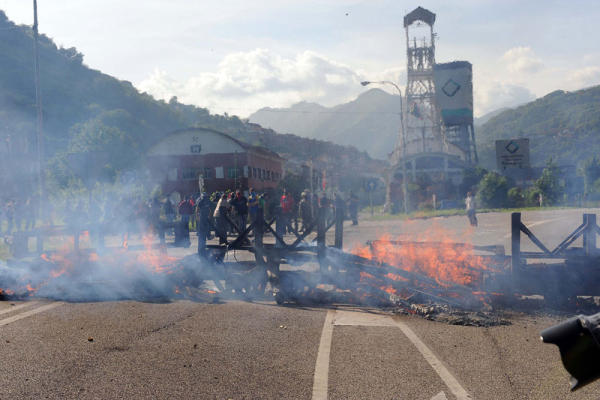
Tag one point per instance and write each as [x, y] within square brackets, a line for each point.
[17, 214]
[218, 214]
[230, 212]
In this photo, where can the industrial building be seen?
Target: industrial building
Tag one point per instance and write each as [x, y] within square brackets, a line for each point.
[188, 158]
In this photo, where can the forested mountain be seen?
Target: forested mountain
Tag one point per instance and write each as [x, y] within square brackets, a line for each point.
[85, 110]
[371, 122]
[562, 125]
[478, 121]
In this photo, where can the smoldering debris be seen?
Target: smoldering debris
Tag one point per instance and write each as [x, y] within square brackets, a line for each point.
[452, 316]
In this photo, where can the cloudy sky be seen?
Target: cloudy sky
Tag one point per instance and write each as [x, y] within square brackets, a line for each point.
[237, 56]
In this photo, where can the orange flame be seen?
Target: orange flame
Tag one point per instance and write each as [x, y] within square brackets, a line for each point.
[444, 261]
[157, 260]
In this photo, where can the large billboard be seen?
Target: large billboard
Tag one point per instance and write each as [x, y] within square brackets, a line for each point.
[454, 92]
[512, 153]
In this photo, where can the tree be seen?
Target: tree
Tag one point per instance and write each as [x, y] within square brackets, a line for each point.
[471, 177]
[549, 185]
[516, 197]
[493, 190]
[591, 174]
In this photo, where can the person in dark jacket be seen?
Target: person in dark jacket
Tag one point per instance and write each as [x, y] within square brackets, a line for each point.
[240, 203]
[186, 210]
[252, 204]
[304, 210]
[353, 208]
[220, 212]
[203, 209]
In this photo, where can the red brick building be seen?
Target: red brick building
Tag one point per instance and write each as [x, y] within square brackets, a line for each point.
[178, 160]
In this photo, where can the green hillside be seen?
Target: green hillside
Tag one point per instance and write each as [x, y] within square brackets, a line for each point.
[561, 125]
[85, 110]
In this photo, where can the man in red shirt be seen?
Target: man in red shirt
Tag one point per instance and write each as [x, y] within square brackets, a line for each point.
[287, 209]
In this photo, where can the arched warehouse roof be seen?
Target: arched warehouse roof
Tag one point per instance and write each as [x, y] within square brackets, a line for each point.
[198, 141]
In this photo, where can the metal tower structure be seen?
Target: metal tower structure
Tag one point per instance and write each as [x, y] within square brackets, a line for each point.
[423, 131]
[436, 141]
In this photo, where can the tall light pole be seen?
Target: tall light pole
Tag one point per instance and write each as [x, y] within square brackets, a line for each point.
[403, 138]
[38, 106]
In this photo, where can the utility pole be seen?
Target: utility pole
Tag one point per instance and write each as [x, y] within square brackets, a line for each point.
[403, 139]
[235, 180]
[312, 192]
[38, 106]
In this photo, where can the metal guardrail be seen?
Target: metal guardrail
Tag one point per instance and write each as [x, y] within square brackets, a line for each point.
[587, 230]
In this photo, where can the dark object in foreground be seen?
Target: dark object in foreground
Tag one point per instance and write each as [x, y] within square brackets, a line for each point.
[578, 339]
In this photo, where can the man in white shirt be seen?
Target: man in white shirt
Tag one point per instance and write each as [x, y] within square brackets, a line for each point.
[470, 206]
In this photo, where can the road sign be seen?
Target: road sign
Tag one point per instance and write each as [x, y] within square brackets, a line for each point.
[512, 153]
[371, 185]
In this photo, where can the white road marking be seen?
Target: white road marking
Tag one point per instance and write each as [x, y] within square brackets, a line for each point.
[321, 377]
[361, 319]
[29, 313]
[15, 308]
[531, 225]
[354, 318]
[436, 364]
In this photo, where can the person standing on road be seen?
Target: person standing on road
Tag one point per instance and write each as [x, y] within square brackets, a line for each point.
[222, 223]
[186, 209]
[155, 207]
[305, 211]
[353, 208]
[9, 215]
[29, 212]
[470, 206]
[240, 203]
[252, 204]
[203, 208]
[287, 207]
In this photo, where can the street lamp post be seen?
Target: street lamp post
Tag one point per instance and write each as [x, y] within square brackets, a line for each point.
[403, 137]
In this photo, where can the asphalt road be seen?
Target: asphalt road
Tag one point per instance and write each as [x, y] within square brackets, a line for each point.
[243, 350]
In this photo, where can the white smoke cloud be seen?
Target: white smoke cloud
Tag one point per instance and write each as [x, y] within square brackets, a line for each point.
[522, 60]
[584, 77]
[247, 81]
[494, 95]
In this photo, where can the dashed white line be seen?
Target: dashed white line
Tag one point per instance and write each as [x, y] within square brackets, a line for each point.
[321, 377]
[29, 313]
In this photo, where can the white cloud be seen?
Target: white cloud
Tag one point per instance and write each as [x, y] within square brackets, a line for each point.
[495, 95]
[584, 77]
[522, 60]
[246, 81]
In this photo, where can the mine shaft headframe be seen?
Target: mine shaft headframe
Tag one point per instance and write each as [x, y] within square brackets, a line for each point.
[419, 14]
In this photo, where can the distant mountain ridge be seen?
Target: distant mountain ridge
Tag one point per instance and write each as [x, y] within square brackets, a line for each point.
[562, 125]
[87, 111]
[371, 122]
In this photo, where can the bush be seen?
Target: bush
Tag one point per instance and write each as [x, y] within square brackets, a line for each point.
[532, 197]
[493, 190]
[516, 197]
[470, 178]
[548, 184]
